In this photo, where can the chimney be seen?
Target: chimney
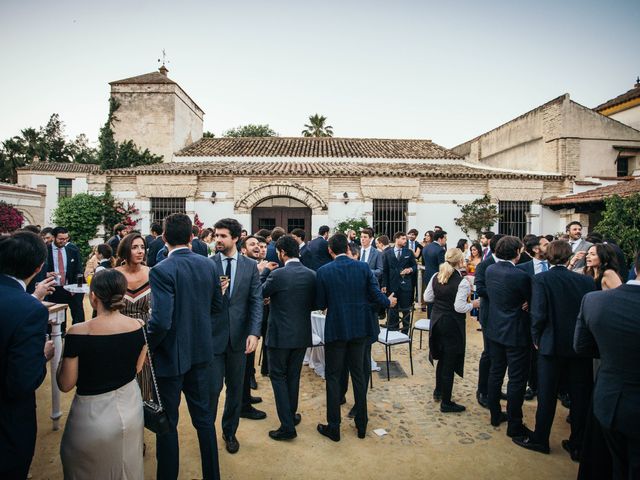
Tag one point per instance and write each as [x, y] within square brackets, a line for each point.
[163, 70]
[637, 85]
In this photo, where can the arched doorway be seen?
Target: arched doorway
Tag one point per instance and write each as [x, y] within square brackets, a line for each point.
[285, 212]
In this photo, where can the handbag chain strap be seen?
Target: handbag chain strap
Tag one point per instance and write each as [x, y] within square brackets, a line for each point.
[153, 373]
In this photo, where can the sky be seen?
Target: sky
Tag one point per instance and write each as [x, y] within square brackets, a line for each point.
[445, 71]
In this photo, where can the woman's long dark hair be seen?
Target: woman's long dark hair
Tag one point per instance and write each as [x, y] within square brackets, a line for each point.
[608, 261]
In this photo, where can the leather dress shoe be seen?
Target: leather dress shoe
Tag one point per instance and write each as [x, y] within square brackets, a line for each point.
[362, 433]
[530, 394]
[343, 400]
[573, 452]
[451, 407]
[255, 400]
[519, 431]
[253, 414]
[231, 443]
[252, 383]
[526, 442]
[437, 396]
[282, 435]
[352, 412]
[482, 400]
[327, 432]
[297, 418]
[501, 419]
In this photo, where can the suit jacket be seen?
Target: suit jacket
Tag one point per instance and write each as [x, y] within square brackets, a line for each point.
[375, 262]
[346, 287]
[74, 263]
[185, 294]
[318, 253]
[481, 289]
[152, 251]
[508, 289]
[199, 247]
[304, 255]
[432, 257]
[555, 303]
[113, 242]
[241, 313]
[528, 267]
[23, 326]
[391, 268]
[272, 254]
[292, 290]
[583, 246]
[608, 322]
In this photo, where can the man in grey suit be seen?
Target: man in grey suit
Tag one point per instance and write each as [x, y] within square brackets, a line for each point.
[370, 254]
[578, 245]
[236, 329]
[292, 291]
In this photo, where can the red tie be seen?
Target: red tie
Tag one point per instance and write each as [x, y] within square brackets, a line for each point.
[61, 267]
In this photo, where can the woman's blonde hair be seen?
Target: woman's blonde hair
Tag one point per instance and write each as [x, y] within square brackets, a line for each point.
[452, 259]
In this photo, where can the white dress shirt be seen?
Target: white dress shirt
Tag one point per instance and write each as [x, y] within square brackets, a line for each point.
[365, 254]
[460, 304]
[234, 267]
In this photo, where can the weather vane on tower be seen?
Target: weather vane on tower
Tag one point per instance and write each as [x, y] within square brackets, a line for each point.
[163, 69]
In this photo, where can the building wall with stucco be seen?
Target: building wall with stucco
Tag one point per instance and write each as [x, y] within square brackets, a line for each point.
[29, 201]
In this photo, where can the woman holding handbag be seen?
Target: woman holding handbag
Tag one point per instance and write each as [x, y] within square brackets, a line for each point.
[104, 431]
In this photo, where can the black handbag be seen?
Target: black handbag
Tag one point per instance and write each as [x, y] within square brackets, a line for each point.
[155, 416]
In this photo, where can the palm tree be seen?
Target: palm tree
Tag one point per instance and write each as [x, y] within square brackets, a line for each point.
[317, 127]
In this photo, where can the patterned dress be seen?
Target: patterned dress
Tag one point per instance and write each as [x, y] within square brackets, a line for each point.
[138, 305]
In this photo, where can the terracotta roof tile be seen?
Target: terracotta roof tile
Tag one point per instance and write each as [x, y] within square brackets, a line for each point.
[624, 189]
[316, 147]
[62, 167]
[625, 97]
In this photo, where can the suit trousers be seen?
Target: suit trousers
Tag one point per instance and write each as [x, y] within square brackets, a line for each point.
[580, 377]
[17, 473]
[516, 359]
[366, 366]
[286, 365]
[249, 371]
[337, 354]
[196, 385]
[397, 315]
[230, 367]
[484, 366]
[532, 381]
[625, 452]
[60, 295]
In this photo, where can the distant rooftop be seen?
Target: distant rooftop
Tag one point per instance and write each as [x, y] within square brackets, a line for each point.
[620, 99]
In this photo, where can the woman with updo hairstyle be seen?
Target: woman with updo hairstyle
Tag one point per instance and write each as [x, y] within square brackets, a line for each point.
[103, 435]
[449, 292]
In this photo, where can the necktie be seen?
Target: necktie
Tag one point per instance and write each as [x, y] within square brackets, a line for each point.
[484, 252]
[61, 267]
[545, 266]
[398, 254]
[227, 273]
[364, 255]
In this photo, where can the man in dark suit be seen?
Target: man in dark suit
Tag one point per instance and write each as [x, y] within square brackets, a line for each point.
[318, 253]
[433, 257]
[272, 255]
[608, 324]
[398, 264]
[346, 288]
[23, 329]
[508, 331]
[292, 293]
[370, 254]
[156, 231]
[64, 261]
[119, 232]
[197, 245]
[555, 304]
[485, 241]
[299, 235]
[185, 293]
[237, 329]
[484, 365]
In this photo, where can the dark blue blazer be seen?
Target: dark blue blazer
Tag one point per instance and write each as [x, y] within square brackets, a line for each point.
[23, 326]
[391, 268]
[152, 250]
[292, 290]
[432, 256]
[318, 253]
[608, 322]
[185, 295]
[199, 247]
[481, 289]
[527, 267]
[272, 254]
[346, 287]
[555, 303]
[74, 262]
[304, 255]
[508, 289]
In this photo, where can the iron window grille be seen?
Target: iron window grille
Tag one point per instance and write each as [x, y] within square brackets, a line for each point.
[162, 207]
[389, 216]
[65, 187]
[514, 218]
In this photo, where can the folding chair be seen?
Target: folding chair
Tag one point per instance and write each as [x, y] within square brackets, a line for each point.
[422, 325]
[390, 338]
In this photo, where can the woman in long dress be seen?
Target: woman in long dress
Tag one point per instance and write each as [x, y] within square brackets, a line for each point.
[103, 436]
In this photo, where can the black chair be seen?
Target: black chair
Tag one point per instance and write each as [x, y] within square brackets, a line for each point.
[392, 337]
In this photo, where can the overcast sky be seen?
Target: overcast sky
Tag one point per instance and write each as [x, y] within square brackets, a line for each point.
[445, 71]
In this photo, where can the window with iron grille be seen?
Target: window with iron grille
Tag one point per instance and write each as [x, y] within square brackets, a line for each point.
[514, 218]
[622, 166]
[389, 217]
[162, 207]
[64, 187]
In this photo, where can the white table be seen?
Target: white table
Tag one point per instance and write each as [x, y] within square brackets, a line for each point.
[74, 288]
[57, 315]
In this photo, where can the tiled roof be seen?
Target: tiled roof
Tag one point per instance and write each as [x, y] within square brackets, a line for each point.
[329, 168]
[597, 195]
[19, 188]
[625, 97]
[330, 147]
[147, 78]
[62, 167]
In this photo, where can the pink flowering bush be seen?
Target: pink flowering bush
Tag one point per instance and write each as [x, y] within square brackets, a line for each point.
[10, 218]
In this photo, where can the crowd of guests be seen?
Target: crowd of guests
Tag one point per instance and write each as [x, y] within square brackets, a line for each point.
[185, 308]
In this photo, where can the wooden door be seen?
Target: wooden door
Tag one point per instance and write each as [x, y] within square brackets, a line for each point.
[285, 217]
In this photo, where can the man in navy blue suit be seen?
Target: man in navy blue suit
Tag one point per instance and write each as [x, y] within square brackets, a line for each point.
[272, 254]
[508, 331]
[346, 288]
[433, 257]
[555, 304]
[185, 294]
[197, 245]
[398, 264]
[23, 329]
[317, 250]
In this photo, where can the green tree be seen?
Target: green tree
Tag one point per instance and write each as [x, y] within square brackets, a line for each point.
[621, 221]
[81, 214]
[208, 134]
[477, 216]
[352, 223]
[317, 127]
[251, 130]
